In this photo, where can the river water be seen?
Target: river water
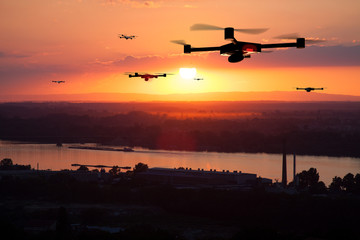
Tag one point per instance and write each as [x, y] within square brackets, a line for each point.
[49, 156]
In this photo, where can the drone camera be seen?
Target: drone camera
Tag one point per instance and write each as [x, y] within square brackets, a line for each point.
[236, 57]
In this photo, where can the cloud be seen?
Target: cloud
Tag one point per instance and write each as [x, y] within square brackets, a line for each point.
[13, 55]
[21, 72]
[150, 4]
[135, 3]
[313, 56]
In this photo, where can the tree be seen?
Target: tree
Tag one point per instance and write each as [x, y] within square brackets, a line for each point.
[6, 162]
[115, 171]
[349, 182]
[357, 183]
[83, 168]
[140, 167]
[319, 187]
[308, 178]
[336, 185]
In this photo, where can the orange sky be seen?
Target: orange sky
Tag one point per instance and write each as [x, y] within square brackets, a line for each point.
[76, 41]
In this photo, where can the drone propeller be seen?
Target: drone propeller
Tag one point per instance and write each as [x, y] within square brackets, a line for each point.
[180, 42]
[200, 26]
[293, 36]
[164, 74]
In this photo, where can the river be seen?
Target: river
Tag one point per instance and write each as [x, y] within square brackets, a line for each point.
[49, 156]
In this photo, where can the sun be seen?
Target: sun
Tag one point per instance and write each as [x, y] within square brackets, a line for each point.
[187, 73]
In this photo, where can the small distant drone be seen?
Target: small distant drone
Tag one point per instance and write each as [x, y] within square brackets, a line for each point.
[147, 76]
[126, 36]
[58, 82]
[198, 79]
[309, 89]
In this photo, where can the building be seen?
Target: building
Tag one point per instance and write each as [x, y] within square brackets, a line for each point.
[200, 178]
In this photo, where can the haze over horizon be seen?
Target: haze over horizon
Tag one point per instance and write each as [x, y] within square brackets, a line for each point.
[293, 96]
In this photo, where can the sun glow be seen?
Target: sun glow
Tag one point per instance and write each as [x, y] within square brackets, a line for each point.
[187, 73]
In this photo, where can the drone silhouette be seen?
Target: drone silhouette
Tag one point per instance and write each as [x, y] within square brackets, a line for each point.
[237, 50]
[126, 36]
[147, 76]
[58, 82]
[198, 79]
[309, 89]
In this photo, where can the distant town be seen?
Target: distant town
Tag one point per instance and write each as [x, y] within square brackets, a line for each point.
[134, 202]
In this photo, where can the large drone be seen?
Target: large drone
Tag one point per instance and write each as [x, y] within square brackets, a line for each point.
[237, 50]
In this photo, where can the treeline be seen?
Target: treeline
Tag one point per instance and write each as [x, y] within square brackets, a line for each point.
[335, 134]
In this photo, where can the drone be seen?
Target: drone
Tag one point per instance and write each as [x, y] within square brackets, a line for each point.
[147, 76]
[309, 89]
[58, 82]
[126, 36]
[237, 50]
[198, 79]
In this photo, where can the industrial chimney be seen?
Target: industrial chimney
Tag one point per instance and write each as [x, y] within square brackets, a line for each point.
[295, 180]
[294, 168]
[284, 176]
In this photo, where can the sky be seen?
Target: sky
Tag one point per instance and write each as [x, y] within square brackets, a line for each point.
[76, 41]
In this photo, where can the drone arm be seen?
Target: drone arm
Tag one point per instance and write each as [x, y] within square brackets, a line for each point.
[278, 45]
[300, 43]
[189, 49]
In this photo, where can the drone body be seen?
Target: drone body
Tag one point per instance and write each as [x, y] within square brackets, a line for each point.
[309, 89]
[237, 50]
[58, 82]
[147, 76]
[126, 36]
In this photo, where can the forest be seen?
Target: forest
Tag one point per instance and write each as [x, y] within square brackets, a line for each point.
[329, 129]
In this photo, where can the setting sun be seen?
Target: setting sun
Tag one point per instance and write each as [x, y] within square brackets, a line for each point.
[187, 73]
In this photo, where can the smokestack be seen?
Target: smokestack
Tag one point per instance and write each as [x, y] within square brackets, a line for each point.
[296, 179]
[294, 168]
[284, 176]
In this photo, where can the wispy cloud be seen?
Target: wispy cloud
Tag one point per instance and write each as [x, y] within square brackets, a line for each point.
[151, 4]
[312, 56]
[135, 3]
[13, 55]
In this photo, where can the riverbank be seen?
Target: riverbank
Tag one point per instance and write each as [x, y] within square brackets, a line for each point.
[125, 149]
[49, 156]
